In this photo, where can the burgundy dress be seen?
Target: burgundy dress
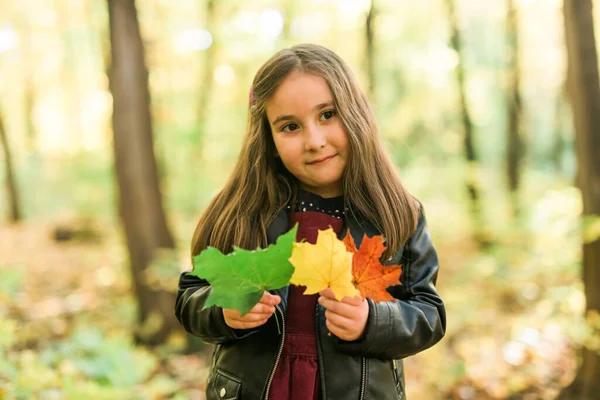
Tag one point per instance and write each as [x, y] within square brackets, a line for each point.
[297, 373]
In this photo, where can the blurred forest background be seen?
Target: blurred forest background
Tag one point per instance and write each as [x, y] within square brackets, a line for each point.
[474, 106]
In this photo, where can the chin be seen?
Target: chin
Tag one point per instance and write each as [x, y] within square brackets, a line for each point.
[326, 185]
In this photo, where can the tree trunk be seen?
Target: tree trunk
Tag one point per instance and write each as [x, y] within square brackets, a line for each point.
[584, 94]
[558, 146]
[140, 200]
[514, 148]
[370, 48]
[11, 186]
[470, 154]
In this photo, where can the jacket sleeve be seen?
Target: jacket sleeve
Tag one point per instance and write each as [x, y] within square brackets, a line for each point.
[417, 319]
[208, 324]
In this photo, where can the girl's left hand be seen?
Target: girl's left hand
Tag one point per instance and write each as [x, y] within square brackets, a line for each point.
[346, 319]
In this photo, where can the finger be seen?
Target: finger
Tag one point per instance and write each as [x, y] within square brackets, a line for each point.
[270, 299]
[341, 322]
[234, 315]
[261, 308]
[254, 317]
[250, 325]
[328, 293]
[261, 321]
[337, 307]
[353, 301]
[336, 330]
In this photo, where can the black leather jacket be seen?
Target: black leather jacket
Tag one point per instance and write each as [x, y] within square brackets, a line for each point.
[243, 361]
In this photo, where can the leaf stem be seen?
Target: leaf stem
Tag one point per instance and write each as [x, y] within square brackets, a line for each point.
[277, 322]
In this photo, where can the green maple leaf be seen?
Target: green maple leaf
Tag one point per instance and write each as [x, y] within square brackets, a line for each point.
[239, 279]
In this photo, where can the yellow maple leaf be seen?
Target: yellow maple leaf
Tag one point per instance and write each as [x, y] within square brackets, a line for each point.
[324, 264]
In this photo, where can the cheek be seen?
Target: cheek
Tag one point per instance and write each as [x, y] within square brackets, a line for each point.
[346, 144]
[342, 142]
[288, 150]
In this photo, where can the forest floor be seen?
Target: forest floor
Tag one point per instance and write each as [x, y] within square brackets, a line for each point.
[67, 313]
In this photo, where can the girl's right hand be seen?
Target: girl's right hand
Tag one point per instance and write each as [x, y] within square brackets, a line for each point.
[257, 316]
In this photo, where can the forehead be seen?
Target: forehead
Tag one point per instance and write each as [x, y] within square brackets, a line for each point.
[297, 94]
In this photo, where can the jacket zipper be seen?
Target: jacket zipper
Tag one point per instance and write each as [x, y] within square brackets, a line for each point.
[397, 377]
[364, 363]
[278, 353]
[320, 358]
[363, 379]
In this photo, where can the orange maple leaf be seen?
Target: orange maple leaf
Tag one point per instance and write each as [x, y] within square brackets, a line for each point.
[368, 275]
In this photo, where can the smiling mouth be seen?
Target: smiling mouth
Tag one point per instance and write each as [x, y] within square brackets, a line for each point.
[321, 160]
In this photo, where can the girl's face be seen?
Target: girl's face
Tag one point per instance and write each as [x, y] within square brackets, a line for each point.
[308, 133]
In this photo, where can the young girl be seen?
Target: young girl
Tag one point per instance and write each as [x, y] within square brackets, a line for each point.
[312, 156]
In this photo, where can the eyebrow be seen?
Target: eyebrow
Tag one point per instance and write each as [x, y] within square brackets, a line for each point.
[289, 117]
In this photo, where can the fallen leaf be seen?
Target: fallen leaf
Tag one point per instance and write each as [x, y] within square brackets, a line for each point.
[369, 276]
[239, 279]
[324, 264]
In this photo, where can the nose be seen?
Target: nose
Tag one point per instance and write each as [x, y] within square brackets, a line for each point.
[314, 138]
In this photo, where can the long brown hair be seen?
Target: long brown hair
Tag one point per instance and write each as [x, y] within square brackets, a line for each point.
[260, 186]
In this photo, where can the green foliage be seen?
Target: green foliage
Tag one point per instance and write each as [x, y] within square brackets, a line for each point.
[109, 361]
[11, 280]
[163, 272]
[86, 364]
[7, 333]
[7, 339]
[240, 278]
[591, 228]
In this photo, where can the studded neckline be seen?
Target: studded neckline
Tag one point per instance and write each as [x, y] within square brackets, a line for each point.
[308, 201]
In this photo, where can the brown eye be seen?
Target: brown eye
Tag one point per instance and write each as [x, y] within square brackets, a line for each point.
[327, 115]
[289, 128]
